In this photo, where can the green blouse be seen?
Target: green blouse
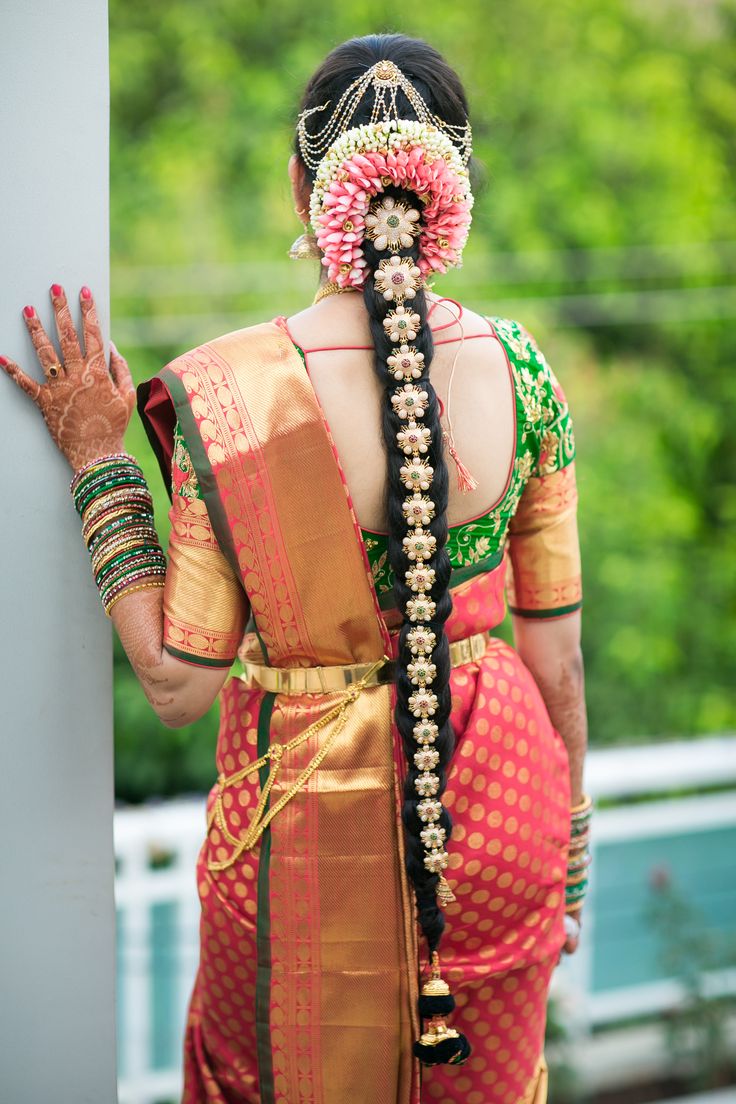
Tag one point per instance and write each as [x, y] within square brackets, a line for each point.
[544, 443]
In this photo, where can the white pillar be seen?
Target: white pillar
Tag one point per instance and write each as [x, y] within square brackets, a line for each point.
[57, 934]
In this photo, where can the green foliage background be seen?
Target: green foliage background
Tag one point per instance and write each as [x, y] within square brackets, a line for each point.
[605, 220]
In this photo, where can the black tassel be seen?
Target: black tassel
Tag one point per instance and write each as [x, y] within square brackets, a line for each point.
[439, 1044]
[452, 1051]
[436, 1006]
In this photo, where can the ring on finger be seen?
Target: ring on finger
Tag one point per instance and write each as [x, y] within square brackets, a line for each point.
[53, 371]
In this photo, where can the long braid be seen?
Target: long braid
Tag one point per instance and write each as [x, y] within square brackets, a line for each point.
[426, 822]
[431, 917]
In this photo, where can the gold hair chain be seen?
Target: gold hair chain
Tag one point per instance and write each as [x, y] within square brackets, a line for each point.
[385, 78]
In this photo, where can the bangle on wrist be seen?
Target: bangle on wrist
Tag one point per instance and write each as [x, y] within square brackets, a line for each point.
[116, 508]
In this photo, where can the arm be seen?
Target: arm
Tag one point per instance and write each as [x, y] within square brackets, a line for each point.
[203, 607]
[179, 692]
[545, 587]
[551, 650]
[86, 408]
[545, 596]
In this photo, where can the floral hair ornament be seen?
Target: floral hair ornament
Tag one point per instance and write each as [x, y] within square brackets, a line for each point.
[398, 278]
[392, 225]
[401, 324]
[353, 164]
[362, 163]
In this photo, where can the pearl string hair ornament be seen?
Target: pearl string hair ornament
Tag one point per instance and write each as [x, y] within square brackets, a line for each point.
[386, 79]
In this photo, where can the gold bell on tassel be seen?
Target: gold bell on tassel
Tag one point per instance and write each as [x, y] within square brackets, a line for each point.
[435, 986]
[445, 896]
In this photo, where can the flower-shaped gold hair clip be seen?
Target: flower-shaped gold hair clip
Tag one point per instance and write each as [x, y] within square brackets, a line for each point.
[391, 225]
[398, 278]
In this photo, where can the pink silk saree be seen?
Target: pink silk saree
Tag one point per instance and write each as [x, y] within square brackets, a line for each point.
[310, 959]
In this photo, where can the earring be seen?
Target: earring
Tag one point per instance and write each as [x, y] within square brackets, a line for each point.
[305, 247]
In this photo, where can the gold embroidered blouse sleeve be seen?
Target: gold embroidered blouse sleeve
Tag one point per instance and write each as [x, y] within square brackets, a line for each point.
[205, 607]
[544, 549]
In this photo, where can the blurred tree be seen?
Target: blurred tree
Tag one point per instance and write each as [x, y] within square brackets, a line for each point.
[605, 219]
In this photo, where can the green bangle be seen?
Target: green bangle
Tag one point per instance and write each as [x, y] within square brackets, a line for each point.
[132, 577]
[98, 478]
[123, 558]
[105, 473]
[100, 489]
[120, 498]
[119, 525]
[136, 571]
[133, 536]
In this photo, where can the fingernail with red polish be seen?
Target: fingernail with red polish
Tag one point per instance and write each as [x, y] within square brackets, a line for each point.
[29, 312]
[4, 361]
[86, 293]
[56, 289]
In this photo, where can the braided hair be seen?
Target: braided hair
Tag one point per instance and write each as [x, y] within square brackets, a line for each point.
[416, 546]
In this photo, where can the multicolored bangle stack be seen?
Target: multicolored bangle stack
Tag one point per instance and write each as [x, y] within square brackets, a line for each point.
[578, 859]
[112, 498]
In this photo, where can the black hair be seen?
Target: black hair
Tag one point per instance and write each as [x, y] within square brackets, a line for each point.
[442, 92]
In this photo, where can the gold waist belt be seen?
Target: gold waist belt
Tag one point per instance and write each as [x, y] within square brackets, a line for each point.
[330, 680]
[352, 679]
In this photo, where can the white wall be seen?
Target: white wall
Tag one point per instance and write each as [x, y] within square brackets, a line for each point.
[56, 866]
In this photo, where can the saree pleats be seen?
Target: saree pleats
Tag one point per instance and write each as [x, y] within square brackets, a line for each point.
[309, 971]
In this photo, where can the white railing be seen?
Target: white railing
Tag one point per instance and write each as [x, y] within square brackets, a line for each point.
[144, 837]
[157, 846]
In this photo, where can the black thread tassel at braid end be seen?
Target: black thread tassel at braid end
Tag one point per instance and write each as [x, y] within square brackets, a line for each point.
[452, 1050]
[439, 1044]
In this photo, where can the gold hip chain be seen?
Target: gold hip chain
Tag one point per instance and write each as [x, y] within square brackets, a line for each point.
[262, 818]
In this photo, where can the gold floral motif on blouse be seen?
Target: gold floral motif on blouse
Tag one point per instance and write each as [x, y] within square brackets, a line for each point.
[183, 476]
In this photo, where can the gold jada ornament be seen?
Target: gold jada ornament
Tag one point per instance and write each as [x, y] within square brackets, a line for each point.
[397, 279]
[445, 896]
[392, 225]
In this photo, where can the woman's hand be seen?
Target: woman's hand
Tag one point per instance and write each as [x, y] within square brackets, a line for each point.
[86, 407]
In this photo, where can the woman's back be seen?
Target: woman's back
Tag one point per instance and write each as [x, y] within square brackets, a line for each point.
[482, 406]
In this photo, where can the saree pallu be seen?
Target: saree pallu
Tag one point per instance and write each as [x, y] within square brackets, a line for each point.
[310, 957]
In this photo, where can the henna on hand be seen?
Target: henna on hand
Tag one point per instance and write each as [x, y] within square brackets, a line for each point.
[86, 407]
[178, 692]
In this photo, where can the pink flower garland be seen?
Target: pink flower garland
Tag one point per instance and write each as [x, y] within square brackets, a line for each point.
[446, 210]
